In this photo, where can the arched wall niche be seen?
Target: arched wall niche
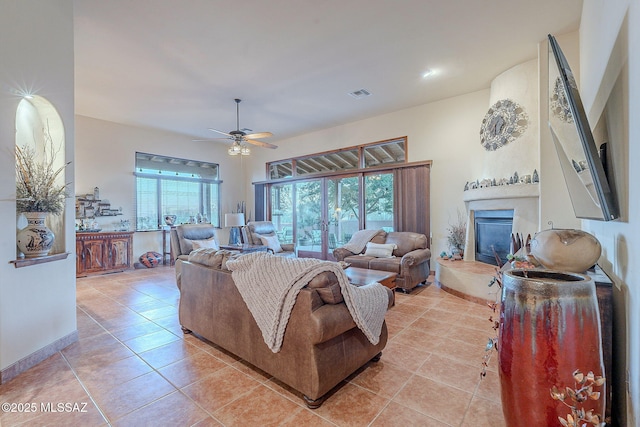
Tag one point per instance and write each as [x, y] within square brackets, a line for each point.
[39, 126]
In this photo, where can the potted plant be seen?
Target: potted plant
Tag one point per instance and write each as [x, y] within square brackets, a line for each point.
[38, 193]
[457, 234]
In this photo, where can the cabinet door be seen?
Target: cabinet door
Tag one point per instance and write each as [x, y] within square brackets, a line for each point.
[119, 253]
[79, 257]
[93, 255]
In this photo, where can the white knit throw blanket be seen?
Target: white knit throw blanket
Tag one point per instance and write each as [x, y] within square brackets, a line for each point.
[270, 284]
[359, 240]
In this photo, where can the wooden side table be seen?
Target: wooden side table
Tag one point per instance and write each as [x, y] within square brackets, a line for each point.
[166, 238]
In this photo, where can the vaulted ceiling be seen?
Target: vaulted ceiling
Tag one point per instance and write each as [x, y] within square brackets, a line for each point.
[178, 65]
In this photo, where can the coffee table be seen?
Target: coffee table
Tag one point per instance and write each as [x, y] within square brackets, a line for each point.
[364, 276]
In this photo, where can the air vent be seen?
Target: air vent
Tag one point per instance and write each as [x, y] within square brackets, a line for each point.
[359, 94]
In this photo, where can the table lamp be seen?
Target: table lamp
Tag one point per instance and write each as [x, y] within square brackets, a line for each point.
[234, 221]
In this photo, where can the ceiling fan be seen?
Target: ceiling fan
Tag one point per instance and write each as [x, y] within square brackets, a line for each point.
[239, 136]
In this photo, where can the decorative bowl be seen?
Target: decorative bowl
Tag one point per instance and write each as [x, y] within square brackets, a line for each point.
[566, 250]
[170, 219]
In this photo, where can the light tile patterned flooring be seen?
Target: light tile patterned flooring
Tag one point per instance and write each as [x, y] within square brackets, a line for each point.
[132, 366]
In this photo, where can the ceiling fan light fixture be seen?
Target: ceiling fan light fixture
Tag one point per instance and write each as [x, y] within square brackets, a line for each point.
[234, 150]
[245, 151]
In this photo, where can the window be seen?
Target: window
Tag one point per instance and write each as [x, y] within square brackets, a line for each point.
[379, 203]
[189, 189]
[373, 155]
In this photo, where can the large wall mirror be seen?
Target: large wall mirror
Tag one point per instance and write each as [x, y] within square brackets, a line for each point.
[592, 194]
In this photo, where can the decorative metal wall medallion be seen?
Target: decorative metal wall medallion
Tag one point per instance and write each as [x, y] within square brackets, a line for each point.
[504, 122]
[559, 104]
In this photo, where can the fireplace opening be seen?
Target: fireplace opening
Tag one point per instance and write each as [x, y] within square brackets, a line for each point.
[493, 230]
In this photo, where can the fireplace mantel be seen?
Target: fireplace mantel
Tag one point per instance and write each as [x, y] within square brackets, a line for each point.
[502, 192]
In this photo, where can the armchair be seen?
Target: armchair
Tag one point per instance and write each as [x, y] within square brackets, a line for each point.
[254, 229]
[182, 237]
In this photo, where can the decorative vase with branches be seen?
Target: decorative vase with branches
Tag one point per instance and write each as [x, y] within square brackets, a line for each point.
[39, 192]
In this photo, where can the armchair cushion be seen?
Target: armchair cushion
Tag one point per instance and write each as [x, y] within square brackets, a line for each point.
[207, 243]
[271, 242]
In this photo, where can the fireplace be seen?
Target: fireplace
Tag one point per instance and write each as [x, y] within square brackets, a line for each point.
[493, 230]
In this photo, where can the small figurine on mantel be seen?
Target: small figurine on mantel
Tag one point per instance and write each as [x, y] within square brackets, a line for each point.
[535, 178]
[96, 193]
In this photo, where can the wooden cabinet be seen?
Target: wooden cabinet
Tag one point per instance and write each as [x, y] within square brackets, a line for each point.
[98, 253]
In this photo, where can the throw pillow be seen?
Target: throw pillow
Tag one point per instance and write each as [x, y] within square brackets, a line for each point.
[271, 242]
[380, 250]
[208, 243]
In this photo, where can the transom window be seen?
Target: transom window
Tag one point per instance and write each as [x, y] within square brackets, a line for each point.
[188, 189]
[376, 154]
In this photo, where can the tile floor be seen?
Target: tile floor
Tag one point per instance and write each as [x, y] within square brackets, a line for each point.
[132, 366]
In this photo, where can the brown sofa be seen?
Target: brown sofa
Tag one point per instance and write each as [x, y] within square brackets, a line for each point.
[321, 347]
[410, 259]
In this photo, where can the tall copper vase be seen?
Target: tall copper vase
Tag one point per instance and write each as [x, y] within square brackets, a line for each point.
[550, 326]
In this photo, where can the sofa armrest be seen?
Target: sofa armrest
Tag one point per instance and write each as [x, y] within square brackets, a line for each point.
[415, 257]
[341, 253]
[329, 321]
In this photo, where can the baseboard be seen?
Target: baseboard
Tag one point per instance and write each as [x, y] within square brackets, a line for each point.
[15, 369]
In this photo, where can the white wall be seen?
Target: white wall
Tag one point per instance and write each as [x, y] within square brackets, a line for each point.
[37, 303]
[610, 64]
[105, 158]
[446, 132]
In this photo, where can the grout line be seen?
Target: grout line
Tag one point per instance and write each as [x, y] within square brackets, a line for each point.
[104, 416]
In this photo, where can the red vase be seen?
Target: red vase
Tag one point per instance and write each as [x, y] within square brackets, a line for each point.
[550, 326]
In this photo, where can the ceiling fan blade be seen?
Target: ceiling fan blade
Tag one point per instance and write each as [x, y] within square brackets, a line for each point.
[260, 143]
[219, 131]
[258, 135]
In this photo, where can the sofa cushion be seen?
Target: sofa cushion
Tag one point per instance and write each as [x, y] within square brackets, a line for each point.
[380, 237]
[386, 264]
[406, 242]
[379, 250]
[228, 256]
[327, 286]
[360, 261]
[206, 256]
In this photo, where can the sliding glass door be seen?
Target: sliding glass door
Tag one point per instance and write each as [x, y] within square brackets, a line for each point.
[309, 202]
[343, 211]
[322, 214]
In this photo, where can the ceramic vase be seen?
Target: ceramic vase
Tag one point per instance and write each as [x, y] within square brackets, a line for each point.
[36, 239]
[549, 327]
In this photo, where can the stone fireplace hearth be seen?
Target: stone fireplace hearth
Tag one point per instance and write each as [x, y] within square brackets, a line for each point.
[469, 278]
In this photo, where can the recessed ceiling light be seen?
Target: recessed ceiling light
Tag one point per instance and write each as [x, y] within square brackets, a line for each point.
[358, 94]
[427, 73]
